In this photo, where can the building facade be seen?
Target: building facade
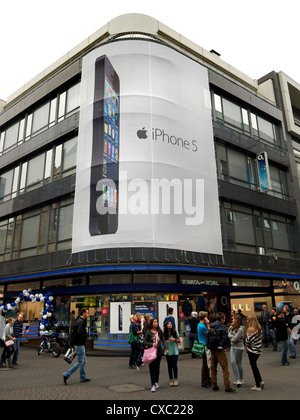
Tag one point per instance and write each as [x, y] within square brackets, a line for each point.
[41, 131]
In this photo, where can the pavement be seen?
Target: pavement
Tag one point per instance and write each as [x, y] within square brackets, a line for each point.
[40, 378]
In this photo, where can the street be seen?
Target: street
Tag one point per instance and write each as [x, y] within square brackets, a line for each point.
[40, 378]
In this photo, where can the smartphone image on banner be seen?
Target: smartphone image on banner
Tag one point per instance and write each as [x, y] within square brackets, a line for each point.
[120, 318]
[104, 187]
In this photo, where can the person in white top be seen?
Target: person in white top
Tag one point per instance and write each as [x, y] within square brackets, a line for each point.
[236, 334]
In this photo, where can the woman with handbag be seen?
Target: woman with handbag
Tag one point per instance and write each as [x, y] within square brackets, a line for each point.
[172, 352]
[9, 340]
[154, 339]
[134, 341]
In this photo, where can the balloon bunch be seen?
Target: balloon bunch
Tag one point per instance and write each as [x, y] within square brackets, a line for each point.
[28, 296]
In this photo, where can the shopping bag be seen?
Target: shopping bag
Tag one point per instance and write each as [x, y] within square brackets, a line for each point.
[180, 345]
[198, 348]
[70, 355]
[150, 354]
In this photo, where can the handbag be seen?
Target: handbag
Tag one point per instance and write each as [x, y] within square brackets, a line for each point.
[70, 356]
[180, 345]
[198, 348]
[150, 354]
[9, 343]
[133, 338]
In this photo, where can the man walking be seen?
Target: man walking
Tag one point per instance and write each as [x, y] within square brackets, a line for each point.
[78, 341]
[288, 319]
[17, 333]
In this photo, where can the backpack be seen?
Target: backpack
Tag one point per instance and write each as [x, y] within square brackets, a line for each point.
[212, 340]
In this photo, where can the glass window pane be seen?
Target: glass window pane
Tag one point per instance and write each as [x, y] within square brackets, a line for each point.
[73, 98]
[30, 232]
[280, 235]
[40, 117]
[52, 111]
[21, 131]
[6, 181]
[28, 126]
[62, 105]
[57, 162]
[11, 136]
[3, 233]
[265, 130]
[238, 167]
[2, 135]
[48, 165]
[244, 229]
[218, 104]
[65, 223]
[232, 113]
[70, 154]
[35, 171]
[254, 124]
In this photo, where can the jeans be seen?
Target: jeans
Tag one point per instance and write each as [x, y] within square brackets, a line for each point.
[284, 352]
[273, 333]
[253, 363]
[17, 349]
[236, 356]
[172, 366]
[154, 368]
[80, 350]
[292, 345]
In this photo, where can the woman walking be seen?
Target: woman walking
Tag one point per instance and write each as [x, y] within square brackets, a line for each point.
[154, 338]
[8, 350]
[236, 334]
[172, 339]
[254, 349]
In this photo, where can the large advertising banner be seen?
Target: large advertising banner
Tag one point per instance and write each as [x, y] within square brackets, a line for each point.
[146, 171]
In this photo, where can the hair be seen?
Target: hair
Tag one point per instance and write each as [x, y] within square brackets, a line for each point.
[83, 311]
[220, 316]
[131, 318]
[202, 315]
[159, 330]
[166, 331]
[254, 324]
[170, 311]
[237, 321]
[10, 320]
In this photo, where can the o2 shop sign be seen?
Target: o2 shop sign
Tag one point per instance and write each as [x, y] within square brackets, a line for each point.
[296, 286]
[104, 312]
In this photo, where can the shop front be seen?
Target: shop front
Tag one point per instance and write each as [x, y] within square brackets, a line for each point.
[112, 297]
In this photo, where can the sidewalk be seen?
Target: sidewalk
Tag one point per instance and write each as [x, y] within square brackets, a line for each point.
[40, 378]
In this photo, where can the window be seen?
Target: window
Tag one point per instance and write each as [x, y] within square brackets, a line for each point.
[29, 237]
[41, 118]
[253, 231]
[242, 119]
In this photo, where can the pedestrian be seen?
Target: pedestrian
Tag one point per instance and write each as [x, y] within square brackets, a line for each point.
[8, 349]
[218, 355]
[202, 330]
[273, 331]
[72, 321]
[170, 317]
[17, 331]
[172, 352]
[265, 324]
[155, 338]
[77, 341]
[288, 317]
[193, 331]
[253, 343]
[134, 341]
[283, 336]
[236, 334]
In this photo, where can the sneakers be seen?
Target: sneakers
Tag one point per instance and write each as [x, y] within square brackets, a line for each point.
[153, 389]
[156, 385]
[175, 382]
[239, 383]
[256, 388]
[171, 382]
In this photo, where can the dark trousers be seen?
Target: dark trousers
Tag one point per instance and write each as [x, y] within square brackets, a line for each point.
[172, 366]
[253, 363]
[135, 350]
[219, 357]
[154, 368]
[205, 377]
[7, 352]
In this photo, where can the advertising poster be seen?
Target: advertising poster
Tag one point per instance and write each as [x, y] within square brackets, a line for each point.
[163, 308]
[145, 308]
[263, 172]
[120, 317]
[146, 159]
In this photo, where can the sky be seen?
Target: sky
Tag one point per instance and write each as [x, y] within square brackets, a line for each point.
[255, 37]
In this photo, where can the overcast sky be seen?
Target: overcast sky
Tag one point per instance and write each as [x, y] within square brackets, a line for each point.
[255, 37]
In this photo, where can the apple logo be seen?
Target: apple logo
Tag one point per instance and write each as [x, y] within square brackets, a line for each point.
[142, 134]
